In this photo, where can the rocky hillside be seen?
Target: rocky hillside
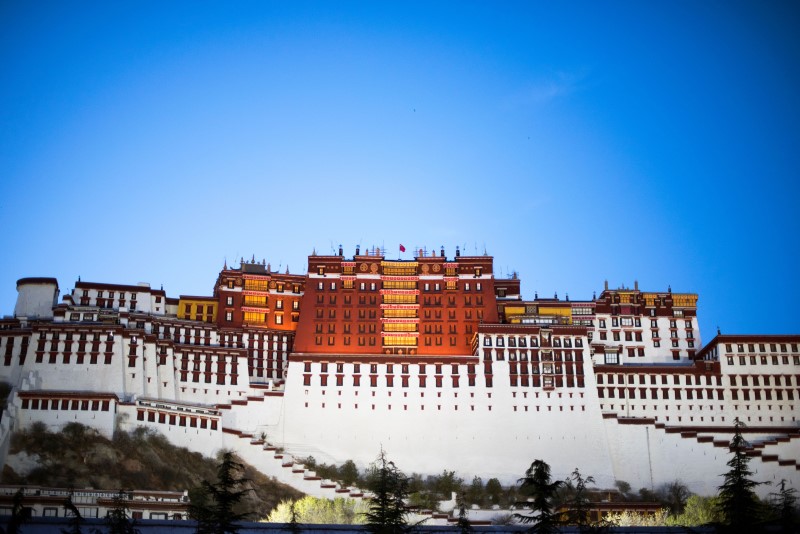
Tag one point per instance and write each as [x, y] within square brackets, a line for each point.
[79, 457]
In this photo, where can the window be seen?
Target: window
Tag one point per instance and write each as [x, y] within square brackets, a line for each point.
[278, 318]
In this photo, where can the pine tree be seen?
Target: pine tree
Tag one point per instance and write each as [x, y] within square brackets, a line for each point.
[579, 509]
[463, 523]
[19, 513]
[387, 509]
[784, 507]
[738, 504]
[294, 520]
[75, 517]
[214, 507]
[117, 519]
[538, 485]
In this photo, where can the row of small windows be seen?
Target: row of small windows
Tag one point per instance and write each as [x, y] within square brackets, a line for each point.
[694, 394]
[112, 294]
[389, 368]
[617, 322]
[403, 284]
[763, 360]
[699, 380]
[751, 347]
[521, 341]
[66, 404]
[177, 420]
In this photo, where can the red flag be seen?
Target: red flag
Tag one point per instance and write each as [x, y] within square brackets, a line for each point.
[402, 248]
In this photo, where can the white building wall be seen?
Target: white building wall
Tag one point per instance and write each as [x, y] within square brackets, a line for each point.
[647, 457]
[36, 300]
[419, 427]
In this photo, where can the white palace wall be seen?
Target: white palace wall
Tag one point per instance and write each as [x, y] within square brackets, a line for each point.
[476, 430]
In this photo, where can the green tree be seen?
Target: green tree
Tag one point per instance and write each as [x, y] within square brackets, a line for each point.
[214, 510]
[738, 504]
[387, 509]
[475, 493]
[636, 519]
[674, 495]
[446, 484]
[19, 513]
[294, 520]
[463, 523]
[624, 488]
[697, 512]
[314, 510]
[579, 509]
[784, 508]
[117, 520]
[75, 517]
[348, 473]
[494, 490]
[537, 484]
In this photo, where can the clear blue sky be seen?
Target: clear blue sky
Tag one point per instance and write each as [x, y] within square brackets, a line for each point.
[577, 142]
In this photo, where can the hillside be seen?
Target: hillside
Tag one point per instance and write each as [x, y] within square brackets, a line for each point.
[80, 457]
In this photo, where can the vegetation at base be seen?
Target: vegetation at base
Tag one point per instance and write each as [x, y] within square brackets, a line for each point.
[118, 520]
[217, 506]
[388, 512]
[314, 511]
[698, 511]
[542, 492]
[424, 492]
[463, 524]
[738, 503]
[78, 456]
[637, 519]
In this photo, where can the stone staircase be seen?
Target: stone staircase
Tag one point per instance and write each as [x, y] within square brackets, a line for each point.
[759, 448]
[273, 462]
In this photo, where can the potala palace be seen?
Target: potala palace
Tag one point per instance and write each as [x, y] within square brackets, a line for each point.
[434, 359]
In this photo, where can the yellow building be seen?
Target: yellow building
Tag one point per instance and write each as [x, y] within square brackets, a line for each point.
[197, 308]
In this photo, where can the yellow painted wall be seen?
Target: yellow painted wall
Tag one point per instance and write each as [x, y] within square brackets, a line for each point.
[208, 316]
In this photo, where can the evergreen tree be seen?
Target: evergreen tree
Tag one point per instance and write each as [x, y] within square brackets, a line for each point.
[475, 493]
[75, 517]
[387, 509]
[784, 507]
[494, 490]
[538, 485]
[738, 504]
[215, 506]
[463, 524]
[294, 522]
[348, 473]
[117, 519]
[579, 513]
[19, 513]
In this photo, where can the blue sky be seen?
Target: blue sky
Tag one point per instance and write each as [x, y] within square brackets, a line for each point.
[576, 142]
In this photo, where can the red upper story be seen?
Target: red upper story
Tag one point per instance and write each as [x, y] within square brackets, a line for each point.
[430, 305]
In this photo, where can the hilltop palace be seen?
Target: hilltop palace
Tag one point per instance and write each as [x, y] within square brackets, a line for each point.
[434, 359]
